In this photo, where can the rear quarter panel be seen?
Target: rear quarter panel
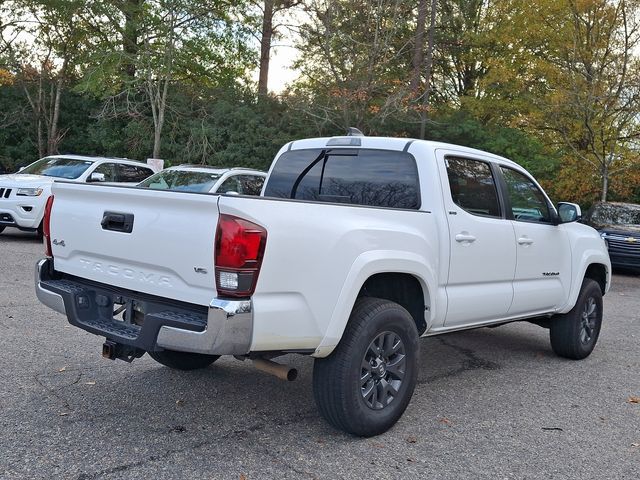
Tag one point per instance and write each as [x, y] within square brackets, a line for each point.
[316, 259]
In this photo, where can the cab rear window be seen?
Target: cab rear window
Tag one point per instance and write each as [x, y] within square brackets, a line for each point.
[377, 178]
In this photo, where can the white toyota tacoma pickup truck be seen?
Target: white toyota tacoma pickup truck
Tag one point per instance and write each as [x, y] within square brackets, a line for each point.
[357, 247]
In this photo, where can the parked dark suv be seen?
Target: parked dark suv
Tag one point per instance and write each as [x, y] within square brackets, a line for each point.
[619, 225]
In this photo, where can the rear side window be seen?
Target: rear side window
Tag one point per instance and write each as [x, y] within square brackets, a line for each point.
[473, 187]
[132, 173]
[251, 184]
[378, 178]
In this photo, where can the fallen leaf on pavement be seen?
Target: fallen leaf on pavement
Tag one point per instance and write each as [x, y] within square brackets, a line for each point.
[633, 399]
[89, 383]
[179, 402]
[62, 369]
[445, 421]
[64, 414]
[412, 439]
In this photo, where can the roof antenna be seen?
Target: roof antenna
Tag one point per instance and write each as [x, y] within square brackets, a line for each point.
[354, 132]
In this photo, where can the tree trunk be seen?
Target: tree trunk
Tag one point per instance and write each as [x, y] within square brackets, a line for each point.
[429, 64]
[53, 139]
[162, 106]
[131, 9]
[418, 49]
[605, 183]
[38, 114]
[265, 47]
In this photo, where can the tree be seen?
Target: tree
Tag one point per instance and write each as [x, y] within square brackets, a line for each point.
[165, 43]
[355, 58]
[270, 9]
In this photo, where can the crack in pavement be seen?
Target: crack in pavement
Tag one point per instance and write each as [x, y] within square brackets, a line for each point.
[246, 432]
[53, 392]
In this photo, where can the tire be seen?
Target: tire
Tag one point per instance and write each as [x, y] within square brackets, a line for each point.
[2, 229]
[183, 360]
[575, 334]
[367, 406]
[40, 231]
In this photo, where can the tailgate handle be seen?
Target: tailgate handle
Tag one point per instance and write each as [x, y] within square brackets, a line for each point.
[117, 222]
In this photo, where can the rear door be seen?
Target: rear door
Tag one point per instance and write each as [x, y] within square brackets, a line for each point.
[543, 274]
[483, 254]
[144, 240]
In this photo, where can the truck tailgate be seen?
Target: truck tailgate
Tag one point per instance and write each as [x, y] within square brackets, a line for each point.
[168, 253]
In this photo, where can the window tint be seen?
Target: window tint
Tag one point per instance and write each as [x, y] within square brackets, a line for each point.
[378, 178]
[132, 173]
[251, 184]
[108, 170]
[231, 184]
[473, 187]
[528, 203]
[181, 180]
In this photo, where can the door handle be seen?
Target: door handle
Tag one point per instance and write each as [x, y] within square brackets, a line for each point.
[117, 222]
[525, 241]
[465, 237]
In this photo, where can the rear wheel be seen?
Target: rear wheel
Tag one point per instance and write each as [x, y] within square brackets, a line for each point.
[365, 385]
[574, 334]
[2, 229]
[183, 360]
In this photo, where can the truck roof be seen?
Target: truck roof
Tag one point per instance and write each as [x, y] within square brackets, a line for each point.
[388, 143]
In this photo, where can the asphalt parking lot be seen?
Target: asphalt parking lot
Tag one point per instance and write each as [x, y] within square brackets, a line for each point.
[490, 403]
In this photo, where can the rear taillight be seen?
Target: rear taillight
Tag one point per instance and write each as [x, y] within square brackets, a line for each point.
[46, 227]
[239, 249]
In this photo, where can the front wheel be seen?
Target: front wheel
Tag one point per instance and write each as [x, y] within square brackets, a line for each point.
[574, 334]
[183, 360]
[365, 385]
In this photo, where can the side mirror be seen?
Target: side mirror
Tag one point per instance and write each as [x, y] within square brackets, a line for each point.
[97, 177]
[569, 212]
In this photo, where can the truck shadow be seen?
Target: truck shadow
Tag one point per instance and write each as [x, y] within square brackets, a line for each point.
[231, 398]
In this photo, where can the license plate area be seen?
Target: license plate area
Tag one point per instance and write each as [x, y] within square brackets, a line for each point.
[128, 310]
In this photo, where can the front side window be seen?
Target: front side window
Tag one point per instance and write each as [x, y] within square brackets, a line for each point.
[182, 181]
[528, 203]
[473, 187]
[379, 178]
[68, 168]
[231, 184]
[108, 170]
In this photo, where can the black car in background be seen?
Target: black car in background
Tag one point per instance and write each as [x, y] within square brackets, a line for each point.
[619, 225]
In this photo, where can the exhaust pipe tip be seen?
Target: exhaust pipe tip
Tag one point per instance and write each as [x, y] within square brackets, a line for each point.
[283, 372]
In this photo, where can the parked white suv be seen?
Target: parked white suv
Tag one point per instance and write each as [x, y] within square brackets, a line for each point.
[357, 248]
[23, 195]
[205, 179]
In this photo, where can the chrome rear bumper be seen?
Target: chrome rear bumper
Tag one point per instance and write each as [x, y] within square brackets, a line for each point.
[228, 331]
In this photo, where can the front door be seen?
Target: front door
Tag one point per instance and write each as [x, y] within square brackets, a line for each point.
[543, 273]
[482, 242]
